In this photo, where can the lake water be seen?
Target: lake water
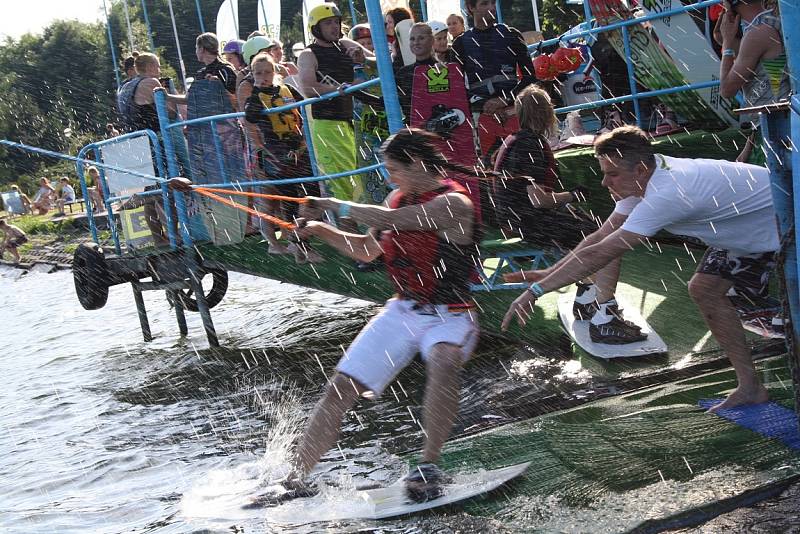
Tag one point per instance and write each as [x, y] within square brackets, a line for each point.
[100, 432]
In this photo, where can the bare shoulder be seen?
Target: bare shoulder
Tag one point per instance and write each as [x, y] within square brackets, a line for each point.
[307, 59]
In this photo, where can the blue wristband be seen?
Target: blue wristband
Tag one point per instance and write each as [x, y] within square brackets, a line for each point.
[344, 209]
[536, 290]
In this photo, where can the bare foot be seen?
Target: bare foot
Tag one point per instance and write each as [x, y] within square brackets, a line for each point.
[741, 397]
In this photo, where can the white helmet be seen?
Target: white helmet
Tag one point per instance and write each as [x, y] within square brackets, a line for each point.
[437, 26]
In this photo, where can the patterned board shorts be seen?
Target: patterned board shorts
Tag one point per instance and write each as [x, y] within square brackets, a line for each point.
[749, 274]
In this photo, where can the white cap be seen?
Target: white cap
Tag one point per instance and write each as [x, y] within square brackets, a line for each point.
[297, 47]
[437, 26]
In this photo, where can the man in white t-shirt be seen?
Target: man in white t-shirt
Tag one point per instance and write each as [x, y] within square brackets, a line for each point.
[727, 205]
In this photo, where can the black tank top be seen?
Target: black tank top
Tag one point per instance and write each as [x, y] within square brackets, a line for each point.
[334, 66]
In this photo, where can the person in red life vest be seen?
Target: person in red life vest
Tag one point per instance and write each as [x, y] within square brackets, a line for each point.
[524, 193]
[427, 236]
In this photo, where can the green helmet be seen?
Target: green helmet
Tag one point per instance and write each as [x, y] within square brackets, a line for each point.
[254, 45]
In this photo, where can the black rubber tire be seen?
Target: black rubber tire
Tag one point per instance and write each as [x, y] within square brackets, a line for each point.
[90, 275]
[213, 297]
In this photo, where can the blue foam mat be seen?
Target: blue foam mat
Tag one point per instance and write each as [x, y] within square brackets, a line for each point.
[769, 419]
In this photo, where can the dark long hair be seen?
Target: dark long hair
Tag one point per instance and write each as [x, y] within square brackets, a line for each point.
[414, 145]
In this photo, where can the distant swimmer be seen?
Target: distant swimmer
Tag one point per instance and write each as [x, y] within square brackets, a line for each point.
[427, 236]
[725, 204]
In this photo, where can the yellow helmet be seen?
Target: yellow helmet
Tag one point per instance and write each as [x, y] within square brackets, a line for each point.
[320, 13]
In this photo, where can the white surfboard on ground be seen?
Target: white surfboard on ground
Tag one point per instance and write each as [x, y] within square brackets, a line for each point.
[392, 500]
[402, 32]
[579, 332]
[692, 53]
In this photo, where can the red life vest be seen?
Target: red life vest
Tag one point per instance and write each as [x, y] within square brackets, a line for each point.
[422, 265]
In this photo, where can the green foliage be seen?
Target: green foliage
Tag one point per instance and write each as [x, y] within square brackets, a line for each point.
[558, 17]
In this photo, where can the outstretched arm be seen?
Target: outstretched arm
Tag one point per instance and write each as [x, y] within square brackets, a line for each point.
[611, 225]
[445, 212]
[364, 248]
[575, 267]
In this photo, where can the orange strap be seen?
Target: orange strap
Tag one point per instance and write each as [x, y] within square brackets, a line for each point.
[203, 190]
[228, 202]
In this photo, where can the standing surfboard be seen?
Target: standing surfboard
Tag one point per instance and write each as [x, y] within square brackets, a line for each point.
[692, 53]
[653, 67]
[439, 104]
[402, 32]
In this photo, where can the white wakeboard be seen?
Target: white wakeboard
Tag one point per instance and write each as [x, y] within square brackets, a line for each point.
[402, 32]
[392, 501]
[579, 332]
[692, 53]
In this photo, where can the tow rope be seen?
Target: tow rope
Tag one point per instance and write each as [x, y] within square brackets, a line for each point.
[211, 193]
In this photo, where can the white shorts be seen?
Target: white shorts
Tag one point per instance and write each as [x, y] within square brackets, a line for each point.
[393, 337]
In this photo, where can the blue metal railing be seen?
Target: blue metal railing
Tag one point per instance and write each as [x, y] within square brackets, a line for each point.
[623, 26]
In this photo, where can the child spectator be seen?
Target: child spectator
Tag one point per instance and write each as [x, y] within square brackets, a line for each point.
[362, 34]
[232, 52]
[95, 189]
[441, 43]
[13, 238]
[285, 154]
[524, 197]
[66, 195]
[455, 25]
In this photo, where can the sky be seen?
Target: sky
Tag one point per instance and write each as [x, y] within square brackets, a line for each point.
[32, 16]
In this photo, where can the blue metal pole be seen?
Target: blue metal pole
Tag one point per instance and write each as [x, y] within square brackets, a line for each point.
[87, 198]
[200, 16]
[423, 6]
[499, 13]
[353, 14]
[587, 11]
[391, 99]
[149, 29]
[309, 141]
[631, 77]
[111, 44]
[790, 25]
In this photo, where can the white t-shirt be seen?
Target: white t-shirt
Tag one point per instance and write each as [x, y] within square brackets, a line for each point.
[726, 205]
[68, 193]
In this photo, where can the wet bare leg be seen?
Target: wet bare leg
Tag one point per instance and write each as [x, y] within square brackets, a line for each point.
[442, 393]
[605, 280]
[709, 293]
[326, 420]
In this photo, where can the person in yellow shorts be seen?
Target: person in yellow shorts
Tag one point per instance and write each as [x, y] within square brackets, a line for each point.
[327, 66]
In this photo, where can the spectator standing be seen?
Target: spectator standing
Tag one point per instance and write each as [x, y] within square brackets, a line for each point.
[393, 18]
[441, 42]
[326, 66]
[421, 41]
[492, 54]
[232, 52]
[283, 152]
